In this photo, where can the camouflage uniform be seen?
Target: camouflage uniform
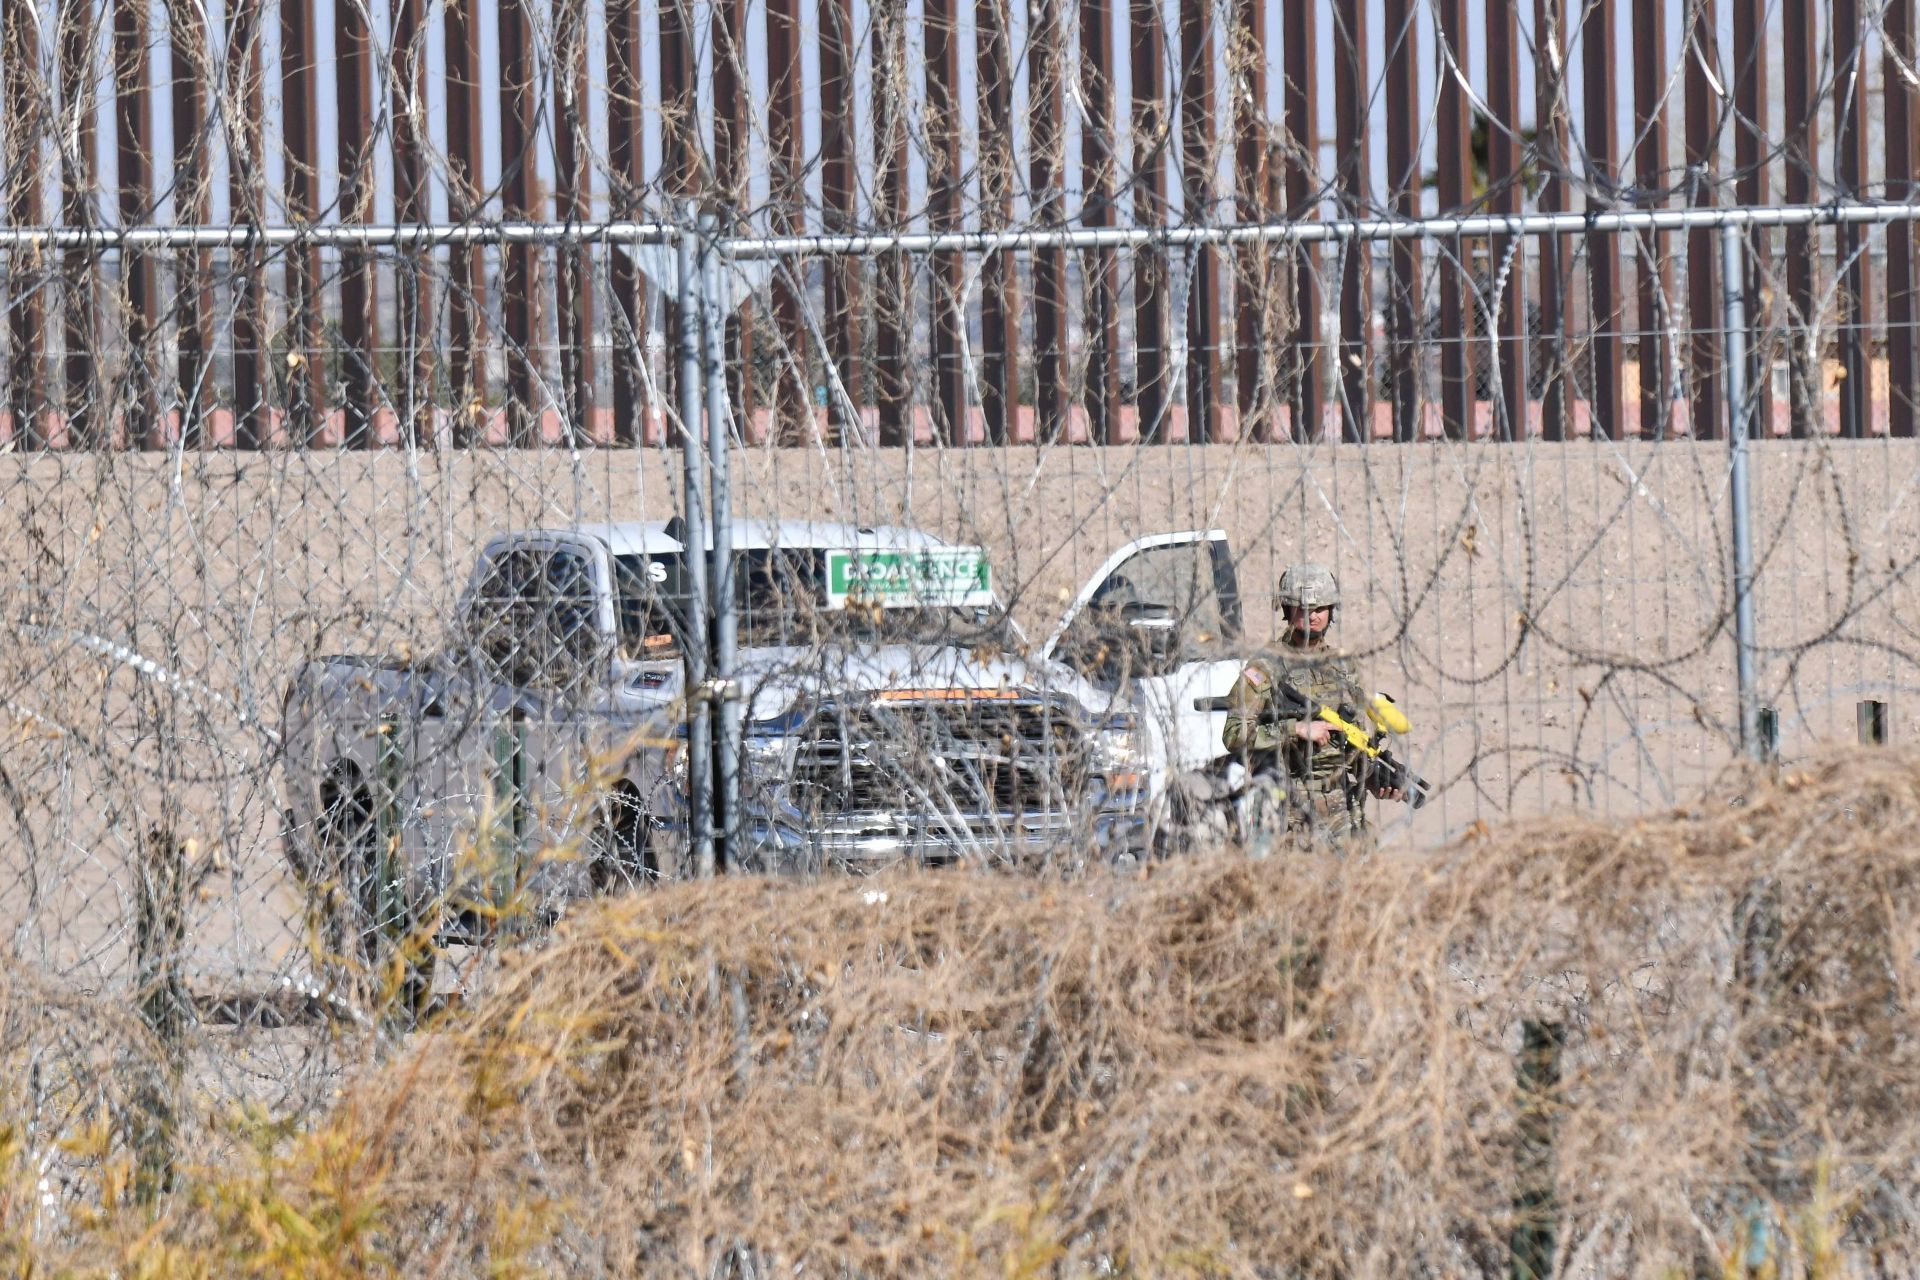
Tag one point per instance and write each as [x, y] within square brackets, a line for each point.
[1324, 798]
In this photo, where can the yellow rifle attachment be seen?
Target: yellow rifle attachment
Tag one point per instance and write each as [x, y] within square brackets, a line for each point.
[1384, 712]
[1357, 738]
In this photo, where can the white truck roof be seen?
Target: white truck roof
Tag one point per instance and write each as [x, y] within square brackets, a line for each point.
[656, 537]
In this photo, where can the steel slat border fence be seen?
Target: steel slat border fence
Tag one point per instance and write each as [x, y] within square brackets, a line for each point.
[756, 110]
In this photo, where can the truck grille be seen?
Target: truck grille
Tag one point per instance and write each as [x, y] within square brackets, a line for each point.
[975, 759]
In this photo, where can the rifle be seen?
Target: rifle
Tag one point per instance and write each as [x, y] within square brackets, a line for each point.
[1383, 768]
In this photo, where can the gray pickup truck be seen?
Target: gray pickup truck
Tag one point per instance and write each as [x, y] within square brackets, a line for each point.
[893, 712]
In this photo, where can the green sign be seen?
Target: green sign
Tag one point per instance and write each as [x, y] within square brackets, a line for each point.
[936, 577]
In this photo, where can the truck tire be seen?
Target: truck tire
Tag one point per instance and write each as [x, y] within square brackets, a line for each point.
[620, 851]
[367, 913]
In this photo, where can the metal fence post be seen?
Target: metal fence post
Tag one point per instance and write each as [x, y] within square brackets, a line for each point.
[725, 709]
[1732, 277]
[1870, 719]
[694, 560]
[508, 866]
[1757, 916]
[159, 941]
[1535, 1210]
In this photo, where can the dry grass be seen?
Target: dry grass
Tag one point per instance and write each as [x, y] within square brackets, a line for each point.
[1297, 1066]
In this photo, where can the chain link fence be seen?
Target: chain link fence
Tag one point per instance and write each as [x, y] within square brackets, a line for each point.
[298, 736]
[365, 532]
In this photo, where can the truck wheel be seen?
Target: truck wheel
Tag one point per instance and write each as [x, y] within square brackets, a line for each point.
[621, 856]
[366, 911]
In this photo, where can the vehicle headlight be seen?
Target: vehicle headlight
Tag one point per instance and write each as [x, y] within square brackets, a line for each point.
[765, 752]
[1117, 747]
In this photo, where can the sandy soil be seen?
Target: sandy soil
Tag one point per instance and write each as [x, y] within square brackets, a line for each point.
[1553, 617]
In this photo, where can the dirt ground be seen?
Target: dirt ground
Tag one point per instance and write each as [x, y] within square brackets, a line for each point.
[1555, 618]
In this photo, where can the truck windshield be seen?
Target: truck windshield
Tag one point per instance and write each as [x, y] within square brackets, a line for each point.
[781, 598]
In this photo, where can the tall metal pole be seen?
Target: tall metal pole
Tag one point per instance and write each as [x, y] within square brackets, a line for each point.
[726, 709]
[694, 563]
[1732, 276]
[1600, 65]
[1351, 85]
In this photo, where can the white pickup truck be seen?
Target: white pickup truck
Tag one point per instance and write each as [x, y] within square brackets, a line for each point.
[892, 711]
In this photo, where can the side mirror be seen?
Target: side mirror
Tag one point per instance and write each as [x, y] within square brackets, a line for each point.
[576, 654]
[1149, 617]
[1155, 630]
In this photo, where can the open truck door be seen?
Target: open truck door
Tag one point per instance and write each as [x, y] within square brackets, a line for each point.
[1157, 625]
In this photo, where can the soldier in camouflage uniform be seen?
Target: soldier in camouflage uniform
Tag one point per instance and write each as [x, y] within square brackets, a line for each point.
[1324, 799]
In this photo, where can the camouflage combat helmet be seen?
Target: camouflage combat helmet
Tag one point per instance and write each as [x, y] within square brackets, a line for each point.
[1309, 586]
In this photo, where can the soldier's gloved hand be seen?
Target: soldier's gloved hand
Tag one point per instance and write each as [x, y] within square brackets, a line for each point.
[1318, 732]
[1389, 793]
